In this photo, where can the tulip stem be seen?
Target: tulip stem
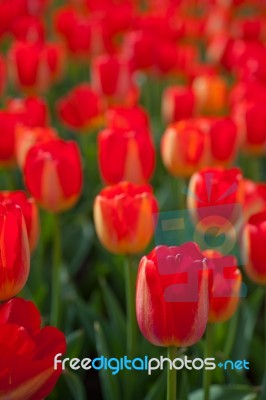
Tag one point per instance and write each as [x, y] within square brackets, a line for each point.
[171, 375]
[208, 353]
[56, 274]
[130, 278]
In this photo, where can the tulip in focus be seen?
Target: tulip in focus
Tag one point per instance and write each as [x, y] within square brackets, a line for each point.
[27, 352]
[226, 286]
[254, 249]
[126, 154]
[172, 295]
[14, 250]
[81, 108]
[29, 210]
[53, 174]
[124, 217]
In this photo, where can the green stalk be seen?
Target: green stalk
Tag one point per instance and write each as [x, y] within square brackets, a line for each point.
[130, 279]
[56, 274]
[208, 353]
[171, 375]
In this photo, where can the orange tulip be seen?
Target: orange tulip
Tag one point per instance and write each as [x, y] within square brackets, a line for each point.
[124, 217]
[184, 148]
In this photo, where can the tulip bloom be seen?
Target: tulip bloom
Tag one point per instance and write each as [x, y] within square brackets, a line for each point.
[215, 197]
[84, 35]
[30, 111]
[210, 93]
[128, 118]
[254, 198]
[125, 154]
[14, 250]
[26, 138]
[172, 295]
[226, 286]
[177, 103]
[124, 217]
[53, 174]
[112, 78]
[224, 141]
[27, 352]
[35, 66]
[250, 118]
[254, 249]
[29, 210]
[81, 108]
[184, 148]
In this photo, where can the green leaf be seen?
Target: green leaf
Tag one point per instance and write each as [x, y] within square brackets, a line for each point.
[226, 392]
[115, 312]
[248, 315]
[75, 385]
[109, 381]
[75, 342]
[158, 389]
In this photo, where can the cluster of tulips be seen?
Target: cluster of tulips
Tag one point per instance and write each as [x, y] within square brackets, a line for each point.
[206, 63]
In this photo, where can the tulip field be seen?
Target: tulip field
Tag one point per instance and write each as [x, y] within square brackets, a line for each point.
[133, 200]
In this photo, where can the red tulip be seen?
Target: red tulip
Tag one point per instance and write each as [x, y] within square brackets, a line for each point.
[14, 250]
[253, 247]
[28, 28]
[53, 174]
[27, 352]
[125, 154]
[81, 108]
[172, 295]
[215, 197]
[112, 78]
[226, 286]
[254, 198]
[31, 111]
[26, 138]
[184, 148]
[29, 211]
[249, 90]
[178, 103]
[35, 66]
[224, 141]
[124, 217]
[138, 47]
[250, 118]
[8, 124]
[84, 35]
[128, 118]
